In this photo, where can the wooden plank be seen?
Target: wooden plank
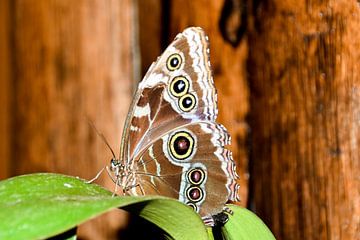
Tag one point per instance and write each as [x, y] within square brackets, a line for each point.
[304, 78]
[151, 30]
[5, 88]
[73, 61]
[228, 64]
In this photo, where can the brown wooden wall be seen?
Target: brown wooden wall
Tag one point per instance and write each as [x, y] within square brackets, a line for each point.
[288, 83]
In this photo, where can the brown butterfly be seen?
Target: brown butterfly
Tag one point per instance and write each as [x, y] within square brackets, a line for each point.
[171, 144]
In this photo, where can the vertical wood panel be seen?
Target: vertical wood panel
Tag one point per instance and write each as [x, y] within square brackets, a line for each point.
[305, 79]
[73, 61]
[228, 64]
[151, 29]
[5, 87]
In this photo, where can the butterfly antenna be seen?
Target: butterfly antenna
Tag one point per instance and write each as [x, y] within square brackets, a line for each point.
[102, 137]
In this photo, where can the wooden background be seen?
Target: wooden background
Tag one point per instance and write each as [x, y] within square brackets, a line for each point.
[288, 80]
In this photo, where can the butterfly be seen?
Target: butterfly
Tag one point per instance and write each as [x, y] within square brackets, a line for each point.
[171, 143]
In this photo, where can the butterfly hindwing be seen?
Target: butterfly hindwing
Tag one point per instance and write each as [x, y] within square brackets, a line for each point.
[190, 163]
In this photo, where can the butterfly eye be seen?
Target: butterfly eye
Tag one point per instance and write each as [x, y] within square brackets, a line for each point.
[193, 206]
[174, 61]
[179, 86]
[181, 145]
[196, 176]
[195, 194]
[187, 102]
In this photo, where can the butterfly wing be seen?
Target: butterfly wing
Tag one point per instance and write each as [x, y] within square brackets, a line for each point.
[174, 110]
[189, 163]
[177, 89]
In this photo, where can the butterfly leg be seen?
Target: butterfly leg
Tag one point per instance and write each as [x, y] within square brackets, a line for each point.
[128, 180]
[109, 173]
[131, 178]
[116, 187]
[96, 177]
[142, 190]
[127, 188]
[117, 184]
[134, 186]
[114, 180]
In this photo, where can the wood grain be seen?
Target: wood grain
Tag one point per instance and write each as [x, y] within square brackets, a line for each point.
[73, 62]
[151, 30]
[304, 80]
[5, 89]
[228, 65]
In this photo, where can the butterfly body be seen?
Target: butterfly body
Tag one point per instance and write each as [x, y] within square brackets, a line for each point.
[171, 143]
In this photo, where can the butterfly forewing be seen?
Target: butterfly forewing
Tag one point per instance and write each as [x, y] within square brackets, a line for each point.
[177, 89]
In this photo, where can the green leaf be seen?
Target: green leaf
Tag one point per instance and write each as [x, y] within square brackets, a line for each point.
[210, 233]
[177, 220]
[244, 224]
[43, 205]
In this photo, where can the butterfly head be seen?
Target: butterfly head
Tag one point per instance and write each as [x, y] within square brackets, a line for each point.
[122, 175]
[116, 166]
[118, 169]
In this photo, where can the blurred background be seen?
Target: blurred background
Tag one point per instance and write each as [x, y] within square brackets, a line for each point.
[287, 74]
